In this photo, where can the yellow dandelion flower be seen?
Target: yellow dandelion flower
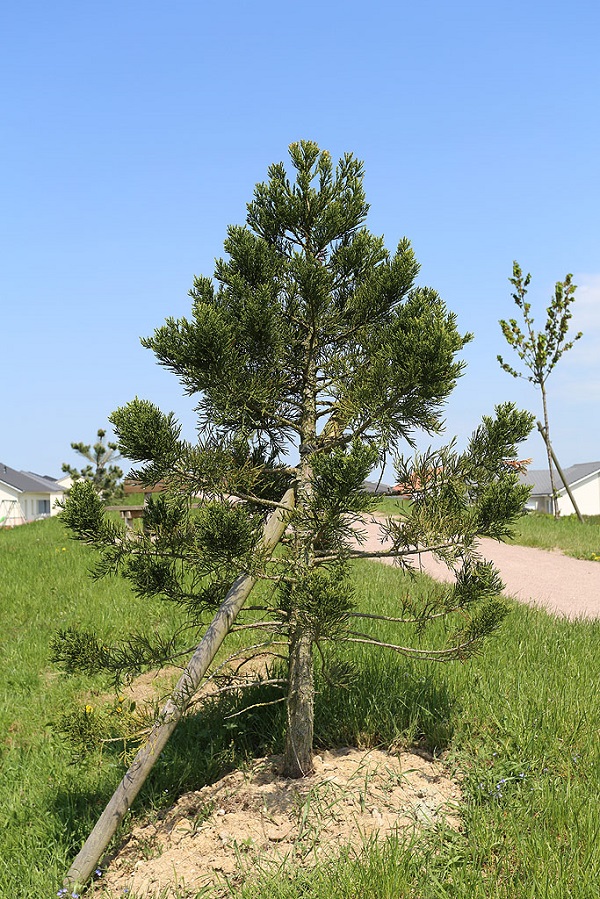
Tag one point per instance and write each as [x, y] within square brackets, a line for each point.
[89, 709]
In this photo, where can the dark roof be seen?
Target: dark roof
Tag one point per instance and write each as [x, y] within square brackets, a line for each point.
[539, 480]
[28, 482]
[376, 487]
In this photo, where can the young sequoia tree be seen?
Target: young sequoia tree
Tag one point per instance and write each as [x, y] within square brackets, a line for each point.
[102, 471]
[312, 336]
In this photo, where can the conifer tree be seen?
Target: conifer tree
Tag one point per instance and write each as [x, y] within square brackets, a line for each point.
[102, 471]
[310, 339]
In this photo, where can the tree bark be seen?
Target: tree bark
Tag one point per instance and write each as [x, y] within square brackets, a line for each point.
[300, 699]
[561, 473]
[300, 705]
[549, 453]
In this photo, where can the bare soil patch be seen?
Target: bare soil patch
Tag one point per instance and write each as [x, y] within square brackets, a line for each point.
[256, 820]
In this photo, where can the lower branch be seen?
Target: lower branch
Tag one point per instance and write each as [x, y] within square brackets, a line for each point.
[430, 616]
[432, 655]
[257, 705]
[388, 553]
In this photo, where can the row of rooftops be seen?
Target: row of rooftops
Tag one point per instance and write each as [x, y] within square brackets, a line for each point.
[538, 480]
[29, 481]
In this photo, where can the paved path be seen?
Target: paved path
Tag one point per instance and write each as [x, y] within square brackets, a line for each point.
[556, 582]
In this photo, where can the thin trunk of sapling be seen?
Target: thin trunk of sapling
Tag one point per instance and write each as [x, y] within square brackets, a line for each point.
[300, 704]
[549, 452]
[300, 701]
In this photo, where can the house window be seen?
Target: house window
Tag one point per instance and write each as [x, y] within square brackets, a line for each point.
[43, 507]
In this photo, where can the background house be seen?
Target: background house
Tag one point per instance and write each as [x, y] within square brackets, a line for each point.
[376, 487]
[26, 496]
[584, 481]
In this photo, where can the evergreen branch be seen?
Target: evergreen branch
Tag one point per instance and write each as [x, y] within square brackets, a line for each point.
[258, 500]
[243, 654]
[430, 616]
[246, 685]
[430, 655]
[389, 553]
[256, 625]
[256, 705]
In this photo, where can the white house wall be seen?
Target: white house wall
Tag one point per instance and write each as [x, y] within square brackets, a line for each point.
[11, 511]
[587, 497]
[539, 503]
[19, 508]
[34, 500]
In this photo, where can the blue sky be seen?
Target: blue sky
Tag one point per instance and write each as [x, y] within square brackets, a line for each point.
[134, 133]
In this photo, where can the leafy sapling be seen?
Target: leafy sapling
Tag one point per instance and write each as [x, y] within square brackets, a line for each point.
[540, 350]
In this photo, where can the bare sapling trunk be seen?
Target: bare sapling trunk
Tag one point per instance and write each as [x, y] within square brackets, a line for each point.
[562, 474]
[300, 706]
[546, 436]
[300, 701]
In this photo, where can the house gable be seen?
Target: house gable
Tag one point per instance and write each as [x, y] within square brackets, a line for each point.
[583, 480]
[26, 496]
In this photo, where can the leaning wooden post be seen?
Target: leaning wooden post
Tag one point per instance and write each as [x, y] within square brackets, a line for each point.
[108, 822]
[544, 434]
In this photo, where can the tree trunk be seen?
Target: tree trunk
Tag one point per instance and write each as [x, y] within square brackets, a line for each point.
[549, 453]
[562, 475]
[300, 706]
[300, 699]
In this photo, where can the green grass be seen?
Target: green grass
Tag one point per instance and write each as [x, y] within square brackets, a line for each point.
[390, 505]
[519, 724]
[566, 534]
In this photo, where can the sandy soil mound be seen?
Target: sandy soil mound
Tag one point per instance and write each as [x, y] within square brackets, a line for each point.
[257, 820]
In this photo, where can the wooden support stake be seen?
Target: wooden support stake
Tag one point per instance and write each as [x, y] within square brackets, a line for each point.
[106, 826]
[544, 434]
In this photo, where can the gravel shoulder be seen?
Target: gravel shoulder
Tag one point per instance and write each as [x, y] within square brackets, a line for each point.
[549, 580]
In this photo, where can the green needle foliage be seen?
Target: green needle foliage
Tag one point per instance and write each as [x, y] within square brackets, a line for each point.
[540, 350]
[311, 337]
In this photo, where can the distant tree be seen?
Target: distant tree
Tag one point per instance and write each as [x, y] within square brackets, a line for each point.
[313, 337]
[102, 473]
[540, 350]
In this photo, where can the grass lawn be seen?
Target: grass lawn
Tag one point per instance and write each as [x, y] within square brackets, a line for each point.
[518, 723]
[567, 534]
